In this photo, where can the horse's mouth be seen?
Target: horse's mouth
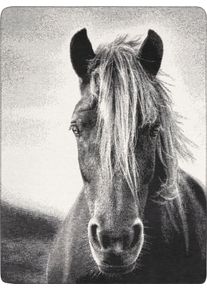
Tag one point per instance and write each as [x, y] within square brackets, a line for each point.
[108, 269]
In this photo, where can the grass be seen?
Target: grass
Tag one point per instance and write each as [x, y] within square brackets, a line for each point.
[26, 239]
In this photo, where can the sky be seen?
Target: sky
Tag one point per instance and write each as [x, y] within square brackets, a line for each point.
[40, 89]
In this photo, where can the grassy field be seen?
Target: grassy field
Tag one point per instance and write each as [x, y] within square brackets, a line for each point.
[26, 239]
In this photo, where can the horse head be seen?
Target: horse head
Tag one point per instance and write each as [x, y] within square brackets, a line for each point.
[126, 142]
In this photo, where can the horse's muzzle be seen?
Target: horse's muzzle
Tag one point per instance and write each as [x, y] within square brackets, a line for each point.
[115, 251]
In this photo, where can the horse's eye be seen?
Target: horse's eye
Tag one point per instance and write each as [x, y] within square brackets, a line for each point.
[75, 130]
[155, 130]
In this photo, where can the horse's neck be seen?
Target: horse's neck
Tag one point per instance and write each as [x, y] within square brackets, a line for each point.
[166, 222]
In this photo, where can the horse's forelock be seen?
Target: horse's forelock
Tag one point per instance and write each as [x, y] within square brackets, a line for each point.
[128, 98]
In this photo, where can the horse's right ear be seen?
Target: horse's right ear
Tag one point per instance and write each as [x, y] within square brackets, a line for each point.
[151, 52]
[81, 52]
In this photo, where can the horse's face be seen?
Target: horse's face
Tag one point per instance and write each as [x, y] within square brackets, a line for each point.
[115, 230]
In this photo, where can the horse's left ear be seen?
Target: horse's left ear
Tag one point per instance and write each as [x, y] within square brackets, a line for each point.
[151, 52]
[81, 52]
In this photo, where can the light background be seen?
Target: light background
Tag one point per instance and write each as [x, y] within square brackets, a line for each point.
[40, 90]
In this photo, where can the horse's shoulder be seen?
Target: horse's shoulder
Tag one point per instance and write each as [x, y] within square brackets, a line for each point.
[192, 190]
[70, 238]
[194, 204]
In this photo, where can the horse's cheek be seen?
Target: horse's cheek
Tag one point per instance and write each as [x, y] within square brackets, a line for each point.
[149, 171]
[87, 160]
[146, 161]
[90, 194]
[83, 159]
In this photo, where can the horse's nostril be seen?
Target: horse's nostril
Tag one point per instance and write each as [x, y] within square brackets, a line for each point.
[137, 231]
[94, 235]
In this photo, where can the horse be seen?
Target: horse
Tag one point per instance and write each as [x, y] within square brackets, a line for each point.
[139, 218]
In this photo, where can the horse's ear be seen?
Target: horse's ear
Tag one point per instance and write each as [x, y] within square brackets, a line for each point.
[151, 52]
[81, 52]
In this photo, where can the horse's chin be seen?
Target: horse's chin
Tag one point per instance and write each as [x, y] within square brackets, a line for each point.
[108, 268]
[113, 270]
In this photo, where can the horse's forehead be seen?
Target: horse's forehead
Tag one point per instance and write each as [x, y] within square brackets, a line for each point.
[86, 103]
